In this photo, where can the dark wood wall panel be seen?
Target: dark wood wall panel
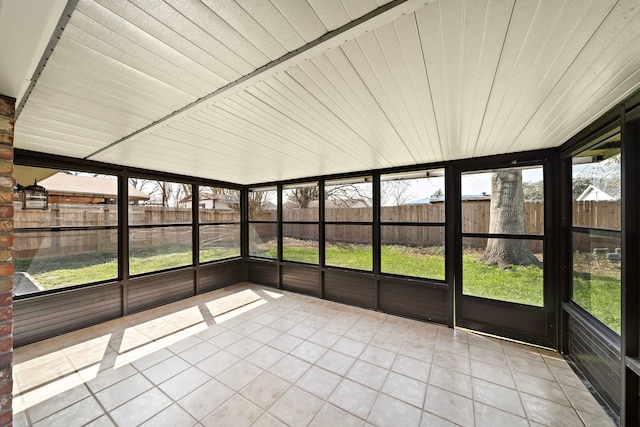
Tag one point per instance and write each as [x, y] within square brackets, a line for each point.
[349, 287]
[597, 361]
[263, 273]
[157, 289]
[216, 276]
[303, 279]
[46, 316]
[420, 301]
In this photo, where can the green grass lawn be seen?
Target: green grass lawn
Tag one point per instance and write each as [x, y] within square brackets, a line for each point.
[521, 284]
[599, 294]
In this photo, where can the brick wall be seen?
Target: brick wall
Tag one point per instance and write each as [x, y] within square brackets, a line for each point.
[7, 110]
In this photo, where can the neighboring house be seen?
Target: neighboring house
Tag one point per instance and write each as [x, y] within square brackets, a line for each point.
[331, 204]
[439, 199]
[208, 201]
[82, 189]
[339, 203]
[594, 194]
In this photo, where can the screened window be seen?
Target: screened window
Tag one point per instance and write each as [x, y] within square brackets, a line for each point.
[349, 223]
[503, 232]
[596, 230]
[300, 223]
[412, 224]
[263, 222]
[74, 241]
[160, 230]
[219, 217]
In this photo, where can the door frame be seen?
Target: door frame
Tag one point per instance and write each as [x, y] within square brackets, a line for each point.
[533, 325]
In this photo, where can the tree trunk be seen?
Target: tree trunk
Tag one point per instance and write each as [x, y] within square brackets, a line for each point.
[507, 217]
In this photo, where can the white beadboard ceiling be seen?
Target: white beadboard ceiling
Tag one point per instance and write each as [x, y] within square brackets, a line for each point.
[264, 90]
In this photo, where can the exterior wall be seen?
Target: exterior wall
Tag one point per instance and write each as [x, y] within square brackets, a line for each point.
[7, 111]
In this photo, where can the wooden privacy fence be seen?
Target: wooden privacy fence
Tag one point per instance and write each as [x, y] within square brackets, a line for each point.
[60, 242]
[476, 216]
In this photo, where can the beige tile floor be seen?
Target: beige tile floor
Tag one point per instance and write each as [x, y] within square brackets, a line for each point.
[254, 356]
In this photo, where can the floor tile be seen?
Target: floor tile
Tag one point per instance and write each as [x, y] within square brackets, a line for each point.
[140, 409]
[166, 369]
[268, 420]
[431, 420]
[285, 342]
[387, 341]
[302, 331]
[265, 357]
[205, 399]
[354, 398]
[452, 361]
[367, 374]
[265, 390]
[103, 421]
[492, 373]
[283, 324]
[109, 377]
[309, 351]
[173, 416]
[294, 360]
[296, 407]
[565, 376]
[184, 383]
[491, 356]
[497, 396]
[149, 359]
[265, 318]
[247, 328]
[349, 347]
[179, 343]
[485, 341]
[265, 334]
[413, 368]
[388, 411]
[210, 332]
[330, 415]
[239, 375]
[199, 352]
[405, 389]
[237, 412]
[336, 362]
[452, 381]
[450, 406]
[417, 350]
[324, 338]
[489, 416]
[362, 333]
[582, 400]
[119, 393]
[591, 420]
[378, 356]
[225, 339]
[217, 363]
[549, 413]
[290, 368]
[52, 402]
[540, 387]
[531, 367]
[244, 347]
[319, 381]
[79, 413]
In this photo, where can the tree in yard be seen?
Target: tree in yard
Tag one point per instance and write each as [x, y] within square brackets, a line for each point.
[395, 193]
[438, 193]
[507, 217]
[304, 196]
[533, 190]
